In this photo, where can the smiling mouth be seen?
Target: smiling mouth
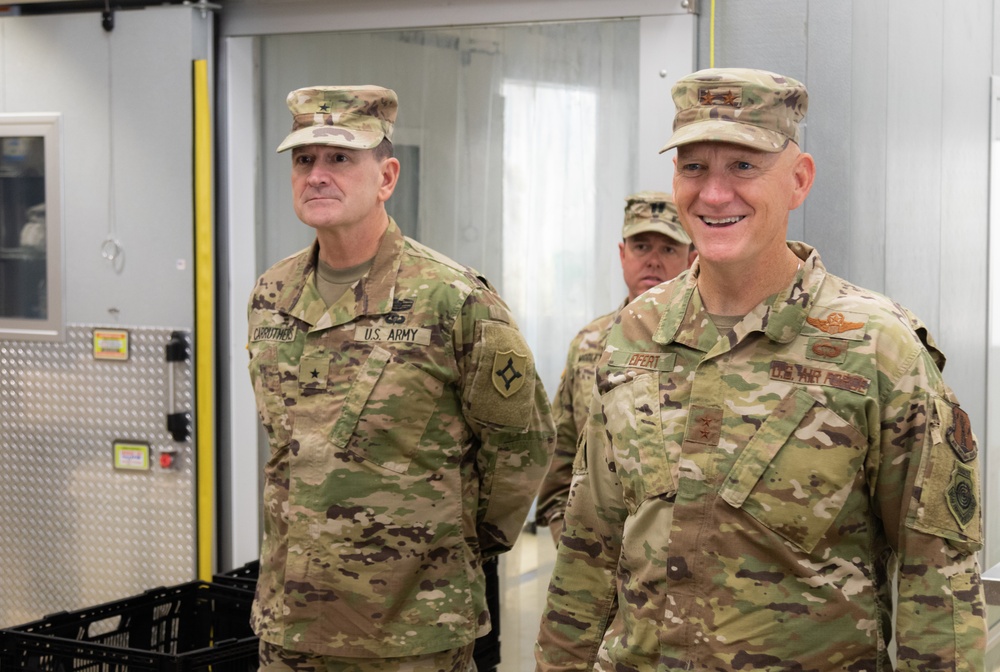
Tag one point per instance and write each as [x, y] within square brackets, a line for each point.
[722, 221]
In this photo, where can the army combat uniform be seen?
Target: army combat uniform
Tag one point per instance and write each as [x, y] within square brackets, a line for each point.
[408, 432]
[569, 410]
[751, 495]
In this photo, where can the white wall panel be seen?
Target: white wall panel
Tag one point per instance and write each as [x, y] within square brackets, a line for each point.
[964, 187]
[239, 458]
[666, 53]
[913, 146]
[139, 107]
[826, 213]
[866, 194]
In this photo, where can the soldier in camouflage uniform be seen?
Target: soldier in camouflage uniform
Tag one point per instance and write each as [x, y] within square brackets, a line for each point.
[654, 249]
[407, 425]
[773, 461]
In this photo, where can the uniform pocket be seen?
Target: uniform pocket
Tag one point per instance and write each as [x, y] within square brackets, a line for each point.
[266, 378]
[796, 472]
[643, 463]
[386, 411]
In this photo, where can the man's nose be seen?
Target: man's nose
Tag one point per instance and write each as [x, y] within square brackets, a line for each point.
[318, 175]
[716, 189]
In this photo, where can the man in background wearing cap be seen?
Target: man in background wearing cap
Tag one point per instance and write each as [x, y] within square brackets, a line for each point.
[407, 425]
[654, 249]
[773, 458]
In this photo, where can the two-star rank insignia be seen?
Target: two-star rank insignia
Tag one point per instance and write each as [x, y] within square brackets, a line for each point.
[704, 425]
[720, 95]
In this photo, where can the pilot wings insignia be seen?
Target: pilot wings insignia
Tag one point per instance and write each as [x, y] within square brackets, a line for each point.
[834, 323]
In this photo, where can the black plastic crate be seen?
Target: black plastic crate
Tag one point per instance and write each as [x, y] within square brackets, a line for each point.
[192, 626]
[242, 577]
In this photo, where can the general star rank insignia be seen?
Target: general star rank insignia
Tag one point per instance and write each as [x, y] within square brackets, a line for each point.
[509, 368]
[962, 495]
[834, 323]
[720, 95]
[313, 372]
[704, 425]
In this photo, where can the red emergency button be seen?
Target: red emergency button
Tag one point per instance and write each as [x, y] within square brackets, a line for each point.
[166, 460]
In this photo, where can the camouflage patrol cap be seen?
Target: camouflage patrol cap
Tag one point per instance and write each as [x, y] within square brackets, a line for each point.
[356, 117]
[653, 211]
[754, 108]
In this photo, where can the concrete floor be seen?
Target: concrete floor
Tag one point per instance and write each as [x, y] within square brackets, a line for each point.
[524, 580]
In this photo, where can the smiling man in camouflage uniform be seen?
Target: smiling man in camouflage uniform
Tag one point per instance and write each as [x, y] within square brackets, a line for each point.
[773, 461]
[407, 425]
[654, 249]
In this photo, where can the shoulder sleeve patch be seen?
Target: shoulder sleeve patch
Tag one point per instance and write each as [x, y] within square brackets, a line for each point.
[948, 488]
[960, 437]
[503, 382]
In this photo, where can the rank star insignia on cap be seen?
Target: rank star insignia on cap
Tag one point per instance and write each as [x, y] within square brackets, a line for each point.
[754, 108]
[653, 211]
[356, 117]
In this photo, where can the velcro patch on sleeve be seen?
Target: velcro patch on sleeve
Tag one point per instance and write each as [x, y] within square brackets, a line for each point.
[959, 435]
[503, 384]
[962, 499]
[948, 488]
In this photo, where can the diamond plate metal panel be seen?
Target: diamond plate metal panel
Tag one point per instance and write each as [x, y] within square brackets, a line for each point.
[74, 531]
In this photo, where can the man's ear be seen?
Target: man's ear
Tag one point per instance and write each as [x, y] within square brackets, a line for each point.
[390, 175]
[803, 172]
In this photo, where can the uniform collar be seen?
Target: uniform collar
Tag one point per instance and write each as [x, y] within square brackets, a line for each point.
[780, 316]
[372, 295]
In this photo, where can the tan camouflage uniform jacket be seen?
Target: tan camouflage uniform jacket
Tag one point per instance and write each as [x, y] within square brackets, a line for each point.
[408, 433]
[750, 496]
[569, 409]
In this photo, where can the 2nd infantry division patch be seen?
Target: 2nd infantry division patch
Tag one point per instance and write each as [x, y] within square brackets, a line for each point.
[509, 368]
[962, 495]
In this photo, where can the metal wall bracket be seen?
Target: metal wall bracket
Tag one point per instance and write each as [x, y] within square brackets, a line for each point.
[179, 425]
[178, 349]
[690, 5]
[203, 5]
